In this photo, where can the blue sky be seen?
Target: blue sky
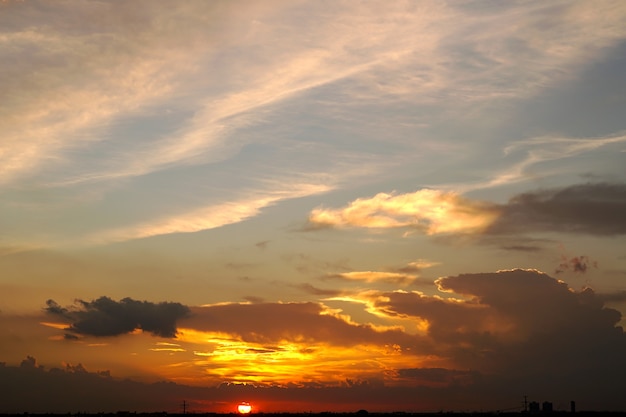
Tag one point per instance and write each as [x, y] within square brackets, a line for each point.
[334, 153]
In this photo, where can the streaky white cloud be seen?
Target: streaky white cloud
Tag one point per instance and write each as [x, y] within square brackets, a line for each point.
[555, 147]
[68, 82]
[534, 151]
[92, 110]
[379, 47]
[213, 216]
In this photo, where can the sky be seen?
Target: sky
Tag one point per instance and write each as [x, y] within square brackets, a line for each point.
[312, 205]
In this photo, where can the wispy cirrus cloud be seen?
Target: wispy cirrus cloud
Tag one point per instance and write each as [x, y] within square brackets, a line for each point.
[206, 218]
[86, 79]
[544, 149]
[109, 104]
[273, 64]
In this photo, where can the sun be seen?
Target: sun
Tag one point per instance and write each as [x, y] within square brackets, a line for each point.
[244, 408]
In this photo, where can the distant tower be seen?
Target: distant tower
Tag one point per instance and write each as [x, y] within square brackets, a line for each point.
[572, 406]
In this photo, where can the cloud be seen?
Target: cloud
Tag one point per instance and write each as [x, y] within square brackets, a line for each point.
[430, 211]
[523, 248]
[616, 297]
[54, 390]
[106, 317]
[302, 322]
[417, 266]
[577, 264]
[373, 277]
[403, 275]
[293, 345]
[310, 289]
[438, 377]
[594, 208]
[495, 333]
[210, 217]
[543, 149]
[29, 363]
[100, 73]
[507, 320]
[262, 51]
[128, 112]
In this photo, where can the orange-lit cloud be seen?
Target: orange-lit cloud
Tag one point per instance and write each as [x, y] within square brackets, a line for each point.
[431, 211]
[593, 208]
[374, 276]
[270, 323]
[481, 327]
[236, 360]
[403, 275]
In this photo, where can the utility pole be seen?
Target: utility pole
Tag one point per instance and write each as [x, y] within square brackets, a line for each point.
[184, 407]
[525, 403]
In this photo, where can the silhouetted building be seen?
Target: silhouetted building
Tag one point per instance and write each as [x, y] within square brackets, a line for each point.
[533, 407]
[546, 407]
[572, 406]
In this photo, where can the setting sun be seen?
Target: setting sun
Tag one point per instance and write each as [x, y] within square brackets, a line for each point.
[244, 408]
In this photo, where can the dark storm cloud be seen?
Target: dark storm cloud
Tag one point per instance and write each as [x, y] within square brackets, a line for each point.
[619, 297]
[596, 209]
[518, 322]
[107, 317]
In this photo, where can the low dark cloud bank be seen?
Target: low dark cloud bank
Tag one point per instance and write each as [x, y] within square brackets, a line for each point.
[107, 317]
[596, 209]
[35, 389]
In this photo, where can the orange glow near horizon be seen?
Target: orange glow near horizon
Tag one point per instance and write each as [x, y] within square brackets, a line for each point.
[218, 358]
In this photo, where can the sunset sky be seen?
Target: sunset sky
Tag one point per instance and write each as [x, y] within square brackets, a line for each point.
[312, 205]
